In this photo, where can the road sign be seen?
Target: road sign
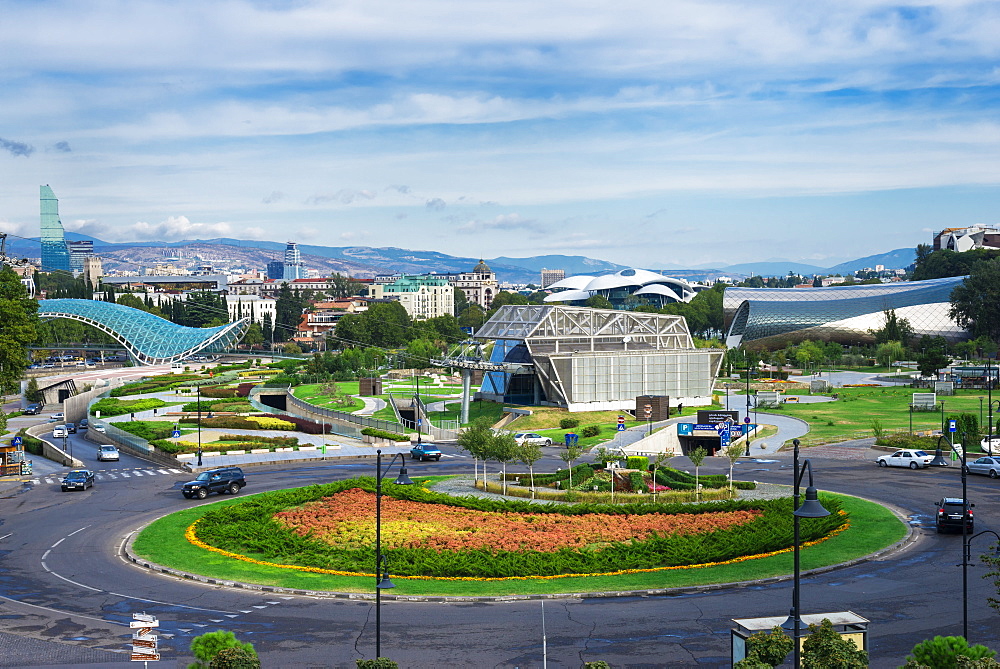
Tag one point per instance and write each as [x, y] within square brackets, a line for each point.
[621, 427]
[747, 419]
[15, 442]
[722, 428]
[176, 433]
[648, 410]
[144, 643]
[952, 425]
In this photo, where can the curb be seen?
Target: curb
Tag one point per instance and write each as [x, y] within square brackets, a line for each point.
[127, 553]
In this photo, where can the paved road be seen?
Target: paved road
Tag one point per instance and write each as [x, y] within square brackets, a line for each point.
[64, 587]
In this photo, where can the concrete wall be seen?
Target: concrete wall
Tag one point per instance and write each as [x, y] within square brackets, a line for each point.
[75, 407]
[50, 450]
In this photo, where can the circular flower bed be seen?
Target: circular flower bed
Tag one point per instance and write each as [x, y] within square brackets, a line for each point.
[331, 529]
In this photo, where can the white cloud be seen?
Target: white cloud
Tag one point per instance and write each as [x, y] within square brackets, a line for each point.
[177, 228]
[503, 222]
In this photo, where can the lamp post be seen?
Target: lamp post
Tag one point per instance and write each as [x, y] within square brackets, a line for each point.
[939, 459]
[811, 508]
[966, 560]
[382, 581]
[416, 407]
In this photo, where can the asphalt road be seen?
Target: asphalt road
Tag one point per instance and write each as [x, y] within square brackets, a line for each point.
[63, 580]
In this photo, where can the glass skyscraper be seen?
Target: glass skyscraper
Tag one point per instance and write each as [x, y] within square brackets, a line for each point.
[55, 255]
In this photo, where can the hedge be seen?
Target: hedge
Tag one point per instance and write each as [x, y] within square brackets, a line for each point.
[383, 434]
[248, 527]
[110, 406]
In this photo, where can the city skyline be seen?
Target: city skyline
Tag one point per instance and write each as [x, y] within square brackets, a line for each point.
[643, 134]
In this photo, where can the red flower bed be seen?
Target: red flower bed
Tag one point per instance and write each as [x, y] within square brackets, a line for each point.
[347, 520]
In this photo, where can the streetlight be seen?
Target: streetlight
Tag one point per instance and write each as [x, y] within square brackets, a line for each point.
[966, 558]
[811, 508]
[939, 460]
[382, 581]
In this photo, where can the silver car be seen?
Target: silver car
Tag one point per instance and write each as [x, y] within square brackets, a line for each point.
[107, 452]
[989, 466]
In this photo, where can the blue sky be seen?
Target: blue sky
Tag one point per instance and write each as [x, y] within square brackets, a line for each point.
[650, 133]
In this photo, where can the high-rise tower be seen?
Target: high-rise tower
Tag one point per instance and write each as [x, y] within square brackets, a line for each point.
[55, 255]
[293, 262]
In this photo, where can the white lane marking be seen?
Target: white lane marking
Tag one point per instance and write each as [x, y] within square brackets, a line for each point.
[36, 481]
[149, 472]
[65, 613]
[6, 535]
[175, 471]
[112, 477]
[136, 473]
[46, 554]
[69, 580]
[163, 471]
[125, 474]
[58, 542]
[77, 531]
[156, 601]
[50, 481]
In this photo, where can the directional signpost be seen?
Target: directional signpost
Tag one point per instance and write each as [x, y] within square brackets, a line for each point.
[144, 648]
[723, 430]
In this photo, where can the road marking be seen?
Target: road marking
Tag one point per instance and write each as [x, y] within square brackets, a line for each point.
[58, 542]
[79, 530]
[112, 477]
[163, 471]
[65, 613]
[175, 471]
[125, 474]
[36, 481]
[46, 554]
[136, 473]
[149, 473]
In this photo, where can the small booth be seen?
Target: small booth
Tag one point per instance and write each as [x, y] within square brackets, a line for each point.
[849, 624]
[12, 461]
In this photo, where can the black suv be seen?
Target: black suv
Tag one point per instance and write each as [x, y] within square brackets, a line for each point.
[949, 514]
[223, 479]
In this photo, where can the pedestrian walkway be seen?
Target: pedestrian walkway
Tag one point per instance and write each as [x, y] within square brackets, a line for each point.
[110, 475]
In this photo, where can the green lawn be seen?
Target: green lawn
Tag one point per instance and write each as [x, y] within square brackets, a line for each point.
[850, 416]
[314, 394]
[872, 528]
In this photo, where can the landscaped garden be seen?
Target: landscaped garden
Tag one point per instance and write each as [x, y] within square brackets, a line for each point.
[321, 538]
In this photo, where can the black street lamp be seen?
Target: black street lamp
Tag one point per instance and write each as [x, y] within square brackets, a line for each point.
[939, 459]
[382, 581]
[966, 563]
[811, 508]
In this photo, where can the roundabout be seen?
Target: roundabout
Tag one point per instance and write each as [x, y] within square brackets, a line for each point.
[318, 540]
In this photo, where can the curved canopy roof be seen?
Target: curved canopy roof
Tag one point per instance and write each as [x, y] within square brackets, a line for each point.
[149, 339]
[575, 282]
[638, 281]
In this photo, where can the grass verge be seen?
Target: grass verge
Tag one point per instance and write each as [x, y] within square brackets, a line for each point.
[872, 528]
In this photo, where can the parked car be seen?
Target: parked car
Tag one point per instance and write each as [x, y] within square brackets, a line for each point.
[57, 417]
[532, 438]
[78, 479]
[423, 452]
[990, 466]
[906, 458]
[71, 428]
[59, 431]
[33, 410]
[220, 480]
[949, 515]
[108, 452]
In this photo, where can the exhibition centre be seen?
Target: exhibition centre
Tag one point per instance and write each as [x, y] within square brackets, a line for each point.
[776, 317]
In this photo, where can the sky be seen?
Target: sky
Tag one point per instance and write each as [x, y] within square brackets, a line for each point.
[658, 134]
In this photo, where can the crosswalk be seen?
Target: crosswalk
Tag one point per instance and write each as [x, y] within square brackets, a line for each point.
[113, 475]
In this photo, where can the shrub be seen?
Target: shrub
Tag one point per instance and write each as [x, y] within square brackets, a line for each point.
[206, 646]
[637, 462]
[31, 444]
[218, 391]
[378, 663]
[568, 423]
[382, 434]
[261, 439]
[110, 406]
[147, 429]
[590, 431]
[767, 649]
[942, 652]
[235, 658]
[637, 482]
[269, 423]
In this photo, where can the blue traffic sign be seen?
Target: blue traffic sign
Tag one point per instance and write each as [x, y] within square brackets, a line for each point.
[176, 433]
[952, 425]
[621, 427]
[16, 441]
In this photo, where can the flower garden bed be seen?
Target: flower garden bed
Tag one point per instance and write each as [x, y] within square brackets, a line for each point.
[436, 536]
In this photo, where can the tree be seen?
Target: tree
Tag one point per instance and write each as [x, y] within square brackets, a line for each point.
[975, 303]
[824, 648]
[206, 646]
[254, 336]
[292, 349]
[942, 652]
[19, 316]
[287, 313]
[32, 393]
[476, 439]
[733, 452]
[267, 330]
[235, 658]
[894, 328]
[569, 456]
[598, 302]
[889, 352]
[697, 456]
[528, 453]
[766, 649]
[503, 449]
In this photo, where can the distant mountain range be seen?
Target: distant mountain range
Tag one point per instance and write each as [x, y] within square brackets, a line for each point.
[366, 261]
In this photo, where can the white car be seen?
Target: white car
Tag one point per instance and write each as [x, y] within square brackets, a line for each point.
[108, 452]
[99, 427]
[59, 431]
[532, 438]
[56, 417]
[906, 458]
[988, 466]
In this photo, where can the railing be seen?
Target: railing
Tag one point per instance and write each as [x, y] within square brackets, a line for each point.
[341, 419]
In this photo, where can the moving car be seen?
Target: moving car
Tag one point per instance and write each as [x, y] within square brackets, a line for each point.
[59, 431]
[423, 452]
[84, 423]
[33, 409]
[100, 428]
[906, 458]
[78, 479]
[71, 428]
[949, 515]
[107, 452]
[219, 480]
[532, 438]
[990, 466]
[56, 417]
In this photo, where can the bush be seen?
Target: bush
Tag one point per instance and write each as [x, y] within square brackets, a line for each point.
[235, 658]
[110, 406]
[379, 663]
[382, 434]
[31, 444]
[147, 429]
[568, 423]
[218, 391]
[270, 423]
[637, 482]
[942, 652]
[207, 646]
[637, 462]
[905, 440]
[590, 431]
[260, 439]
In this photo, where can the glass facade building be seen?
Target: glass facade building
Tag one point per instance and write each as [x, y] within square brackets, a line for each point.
[149, 339]
[55, 255]
[846, 314]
